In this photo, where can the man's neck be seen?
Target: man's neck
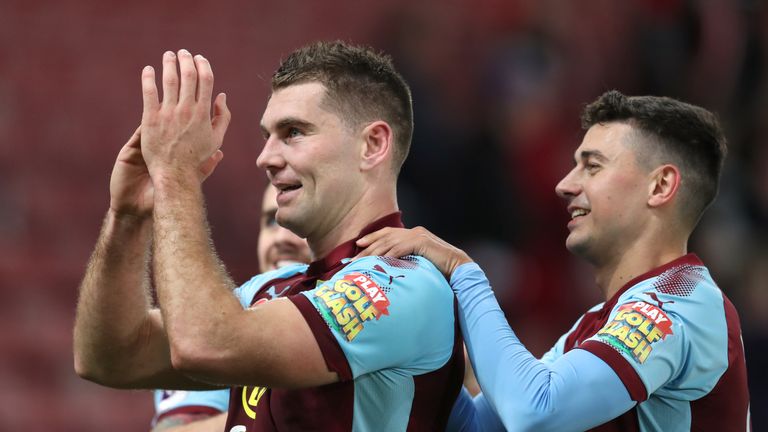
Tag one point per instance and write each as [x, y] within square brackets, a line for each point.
[612, 274]
[362, 213]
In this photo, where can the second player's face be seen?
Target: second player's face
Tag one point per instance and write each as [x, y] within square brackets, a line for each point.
[606, 193]
[312, 158]
[278, 246]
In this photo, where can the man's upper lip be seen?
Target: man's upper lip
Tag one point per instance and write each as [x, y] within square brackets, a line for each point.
[284, 184]
[572, 208]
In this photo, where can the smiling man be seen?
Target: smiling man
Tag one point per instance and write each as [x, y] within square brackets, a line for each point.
[664, 351]
[334, 345]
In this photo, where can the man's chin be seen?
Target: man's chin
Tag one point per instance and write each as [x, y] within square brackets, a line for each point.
[287, 221]
[576, 246]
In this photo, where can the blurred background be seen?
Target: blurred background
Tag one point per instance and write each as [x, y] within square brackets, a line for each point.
[498, 87]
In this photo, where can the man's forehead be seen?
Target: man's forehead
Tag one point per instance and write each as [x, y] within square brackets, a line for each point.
[604, 140]
[294, 101]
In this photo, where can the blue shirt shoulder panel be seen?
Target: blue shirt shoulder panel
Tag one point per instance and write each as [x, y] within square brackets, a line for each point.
[672, 330]
[249, 289]
[389, 313]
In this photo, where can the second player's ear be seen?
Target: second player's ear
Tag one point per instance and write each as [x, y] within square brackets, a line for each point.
[377, 142]
[664, 183]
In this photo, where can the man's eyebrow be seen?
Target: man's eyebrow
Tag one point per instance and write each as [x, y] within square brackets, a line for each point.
[589, 154]
[287, 123]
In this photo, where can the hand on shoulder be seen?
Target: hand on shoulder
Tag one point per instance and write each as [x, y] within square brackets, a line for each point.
[398, 242]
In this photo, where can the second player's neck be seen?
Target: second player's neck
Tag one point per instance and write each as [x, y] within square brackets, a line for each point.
[612, 275]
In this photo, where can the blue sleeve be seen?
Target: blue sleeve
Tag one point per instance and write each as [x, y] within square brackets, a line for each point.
[470, 415]
[168, 402]
[529, 394]
[389, 313]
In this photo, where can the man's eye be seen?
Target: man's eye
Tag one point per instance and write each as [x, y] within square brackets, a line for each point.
[293, 132]
[591, 167]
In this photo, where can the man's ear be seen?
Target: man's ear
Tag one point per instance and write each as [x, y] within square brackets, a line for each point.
[664, 184]
[377, 145]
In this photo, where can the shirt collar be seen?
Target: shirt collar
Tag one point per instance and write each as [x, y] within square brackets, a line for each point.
[688, 259]
[349, 248]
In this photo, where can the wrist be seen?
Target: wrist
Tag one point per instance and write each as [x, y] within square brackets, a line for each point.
[120, 226]
[126, 218]
[458, 260]
[174, 181]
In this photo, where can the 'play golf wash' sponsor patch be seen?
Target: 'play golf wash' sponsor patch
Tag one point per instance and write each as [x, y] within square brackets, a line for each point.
[350, 302]
[635, 328]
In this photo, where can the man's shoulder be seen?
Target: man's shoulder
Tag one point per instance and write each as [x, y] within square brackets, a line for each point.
[685, 288]
[249, 289]
[404, 271]
[682, 301]
[279, 273]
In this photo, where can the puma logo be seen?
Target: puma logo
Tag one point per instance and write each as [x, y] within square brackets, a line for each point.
[655, 298]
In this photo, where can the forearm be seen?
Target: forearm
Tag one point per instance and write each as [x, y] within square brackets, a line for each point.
[194, 290]
[526, 393]
[113, 322]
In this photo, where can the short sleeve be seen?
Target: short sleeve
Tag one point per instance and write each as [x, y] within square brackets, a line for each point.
[249, 289]
[190, 402]
[385, 313]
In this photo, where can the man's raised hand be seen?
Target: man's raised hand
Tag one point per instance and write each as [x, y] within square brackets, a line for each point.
[179, 137]
[130, 186]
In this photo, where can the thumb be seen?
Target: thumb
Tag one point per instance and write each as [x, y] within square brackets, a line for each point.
[210, 164]
[221, 117]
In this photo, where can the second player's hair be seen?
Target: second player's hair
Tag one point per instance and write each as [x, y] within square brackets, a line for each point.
[685, 135]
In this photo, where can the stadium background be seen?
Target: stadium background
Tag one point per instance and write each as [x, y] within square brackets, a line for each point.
[498, 86]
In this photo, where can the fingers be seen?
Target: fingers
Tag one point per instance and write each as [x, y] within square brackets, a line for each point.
[170, 79]
[381, 248]
[205, 81]
[149, 90]
[373, 237]
[191, 82]
[386, 242]
[221, 117]
[188, 85]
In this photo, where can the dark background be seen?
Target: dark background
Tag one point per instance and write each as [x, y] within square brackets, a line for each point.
[498, 86]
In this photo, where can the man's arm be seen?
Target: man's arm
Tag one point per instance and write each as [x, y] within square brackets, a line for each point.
[211, 337]
[575, 392]
[118, 339]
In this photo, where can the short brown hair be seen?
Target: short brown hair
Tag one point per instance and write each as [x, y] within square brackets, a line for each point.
[685, 135]
[362, 86]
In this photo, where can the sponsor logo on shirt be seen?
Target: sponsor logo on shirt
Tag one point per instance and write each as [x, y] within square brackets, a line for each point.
[635, 328]
[350, 302]
[250, 399]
